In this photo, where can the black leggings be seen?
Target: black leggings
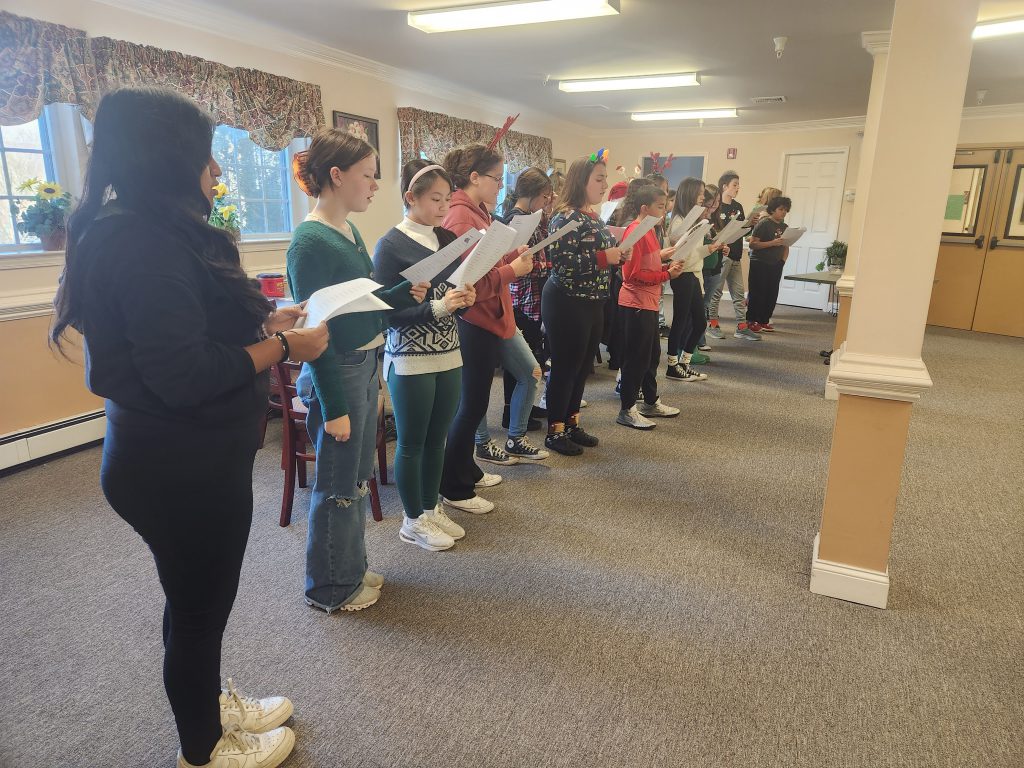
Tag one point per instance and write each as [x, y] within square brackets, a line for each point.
[479, 359]
[574, 331]
[688, 320]
[187, 492]
[763, 287]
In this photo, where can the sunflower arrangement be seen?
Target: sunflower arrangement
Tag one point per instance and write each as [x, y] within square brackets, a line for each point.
[224, 215]
[46, 216]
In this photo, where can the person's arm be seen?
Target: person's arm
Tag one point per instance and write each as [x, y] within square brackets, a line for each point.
[386, 268]
[632, 272]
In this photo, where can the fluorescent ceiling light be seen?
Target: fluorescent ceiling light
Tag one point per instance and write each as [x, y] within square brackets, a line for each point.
[509, 14]
[629, 83]
[686, 114]
[999, 28]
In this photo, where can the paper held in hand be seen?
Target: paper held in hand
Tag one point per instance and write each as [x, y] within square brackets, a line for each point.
[691, 218]
[641, 229]
[618, 233]
[426, 270]
[690, 241]
[496, 242]
[607, 209]
[342, 299]
[792, 234]
[732, 232]
[524, 226]
[558, 234]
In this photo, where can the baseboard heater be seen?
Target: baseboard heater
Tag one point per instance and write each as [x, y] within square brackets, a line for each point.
[45, 440]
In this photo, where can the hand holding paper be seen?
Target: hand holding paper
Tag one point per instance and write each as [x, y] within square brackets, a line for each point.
[343, 298]
[426, 270]
[641, 229]
[732, 231]
[792, 234]
[495, 243]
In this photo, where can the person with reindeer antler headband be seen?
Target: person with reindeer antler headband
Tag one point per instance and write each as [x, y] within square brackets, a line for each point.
[574, 297]
[487, 332]
[341, 388]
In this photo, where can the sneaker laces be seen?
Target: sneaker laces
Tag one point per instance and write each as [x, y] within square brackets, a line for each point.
[428, 526]
[437, 513]
[525, 443]
[244, 703]
[235, 737]
[494, 450]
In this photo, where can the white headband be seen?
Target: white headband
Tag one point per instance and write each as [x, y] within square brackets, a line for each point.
[421, 171]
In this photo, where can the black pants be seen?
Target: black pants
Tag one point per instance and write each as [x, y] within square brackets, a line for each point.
[534, 335]
[763, 291]
[188, 493]
[479, 359]
[613, 332]
[641, 356]
[688, 321]
[574, 331]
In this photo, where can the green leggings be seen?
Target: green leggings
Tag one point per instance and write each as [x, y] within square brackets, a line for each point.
[424, 405]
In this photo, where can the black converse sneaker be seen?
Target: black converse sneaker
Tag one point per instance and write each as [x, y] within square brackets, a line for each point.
[559, 442]
[523, 449]
[581, 437]
[492, 452]
[675, 372]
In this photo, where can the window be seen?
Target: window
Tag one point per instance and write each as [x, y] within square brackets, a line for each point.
[24, 154]
[258, 181]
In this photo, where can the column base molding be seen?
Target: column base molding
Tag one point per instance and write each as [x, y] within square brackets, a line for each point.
[845, 284]
[867, 375]
[848, 582]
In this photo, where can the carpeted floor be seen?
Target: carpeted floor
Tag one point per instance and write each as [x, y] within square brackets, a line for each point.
[646, 605]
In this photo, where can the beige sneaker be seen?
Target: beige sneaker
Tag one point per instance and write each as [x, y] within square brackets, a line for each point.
[364, 598]
[253, 715]
[438, 517]
[238, 749]
[374, 580]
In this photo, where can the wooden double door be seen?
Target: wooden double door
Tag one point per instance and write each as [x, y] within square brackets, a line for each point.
[979, 276]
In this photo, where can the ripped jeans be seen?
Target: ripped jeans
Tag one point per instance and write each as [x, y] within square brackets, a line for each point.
[335, 549]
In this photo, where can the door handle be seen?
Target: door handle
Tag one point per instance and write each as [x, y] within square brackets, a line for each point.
[980, 242]
[993, 242]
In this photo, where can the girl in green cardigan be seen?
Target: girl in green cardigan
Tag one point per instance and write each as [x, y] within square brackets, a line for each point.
[341, 387]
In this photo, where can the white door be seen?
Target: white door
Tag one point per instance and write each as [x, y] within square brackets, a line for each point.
[814, 182]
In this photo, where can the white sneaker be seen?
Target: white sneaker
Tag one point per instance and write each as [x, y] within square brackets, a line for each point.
[252, 715]
[659, 409]
[632, 418]
[238, 749]
[584, 403]
[422, 532]
[488, 480]
[476, 505]
[438, 517]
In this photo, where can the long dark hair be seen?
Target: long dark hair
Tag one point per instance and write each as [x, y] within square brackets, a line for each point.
[574, 194]
[150, 146]
[531, 183]
[688, 194]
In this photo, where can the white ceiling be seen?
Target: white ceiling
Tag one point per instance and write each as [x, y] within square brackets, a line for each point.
[824, 74]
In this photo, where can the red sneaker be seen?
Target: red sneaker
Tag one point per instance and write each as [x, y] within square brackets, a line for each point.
[755, 327]
[768, 327]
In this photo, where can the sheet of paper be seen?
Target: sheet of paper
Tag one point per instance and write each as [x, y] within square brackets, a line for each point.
[641, 229]
[558, 234]
[757, 209]
[618, 233]
[691, 240]
[732, 231]
[492, 246]
[792, 234]
[524, 226]
[427, 269]
[333, 300]
[607, 209]
[691, 217]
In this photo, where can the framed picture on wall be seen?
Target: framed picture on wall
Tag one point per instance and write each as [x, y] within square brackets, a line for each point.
[365, 128]
[559, 165]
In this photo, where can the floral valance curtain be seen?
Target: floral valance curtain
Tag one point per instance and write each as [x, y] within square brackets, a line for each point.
[46, 64]
[435, 134]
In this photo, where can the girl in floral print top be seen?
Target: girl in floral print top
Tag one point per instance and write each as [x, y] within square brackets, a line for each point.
[579, 261]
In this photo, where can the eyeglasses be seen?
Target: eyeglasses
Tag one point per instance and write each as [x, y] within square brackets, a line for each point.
[501, 182]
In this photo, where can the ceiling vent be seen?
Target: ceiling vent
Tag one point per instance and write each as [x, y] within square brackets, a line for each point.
[768, 100]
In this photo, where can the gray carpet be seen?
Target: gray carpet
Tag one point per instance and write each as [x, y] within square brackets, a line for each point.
[646, 605]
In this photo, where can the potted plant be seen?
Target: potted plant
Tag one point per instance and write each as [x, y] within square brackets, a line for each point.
[835, 257]
[46, 216]
[223, 215]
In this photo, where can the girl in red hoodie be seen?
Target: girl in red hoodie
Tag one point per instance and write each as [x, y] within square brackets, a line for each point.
[642, 277]
[476, 172]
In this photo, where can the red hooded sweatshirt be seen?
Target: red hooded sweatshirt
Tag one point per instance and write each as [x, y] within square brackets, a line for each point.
[492, 310]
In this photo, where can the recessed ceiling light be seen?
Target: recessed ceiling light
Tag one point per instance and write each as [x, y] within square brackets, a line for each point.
[509, 14]
[998, 28]
[686, 114]
[630, 83]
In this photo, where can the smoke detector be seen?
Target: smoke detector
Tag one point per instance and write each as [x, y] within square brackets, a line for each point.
[767, 99]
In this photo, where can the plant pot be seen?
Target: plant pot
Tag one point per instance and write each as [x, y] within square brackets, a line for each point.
[54, 241]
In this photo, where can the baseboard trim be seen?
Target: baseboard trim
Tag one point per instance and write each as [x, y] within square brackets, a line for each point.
[39, 442]
[848, 582]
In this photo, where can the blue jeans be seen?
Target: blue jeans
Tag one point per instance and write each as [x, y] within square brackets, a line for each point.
[335, 549]
[712, 284]
[516, 358]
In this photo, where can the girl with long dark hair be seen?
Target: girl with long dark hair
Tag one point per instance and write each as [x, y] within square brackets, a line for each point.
[173, 330]
[341, 388]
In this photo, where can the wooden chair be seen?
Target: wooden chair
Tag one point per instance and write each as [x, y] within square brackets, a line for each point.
[294, 441]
